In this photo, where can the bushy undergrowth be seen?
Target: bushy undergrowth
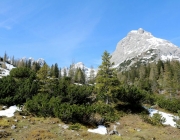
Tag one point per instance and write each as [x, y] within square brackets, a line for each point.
[156, 119]
[172, 105]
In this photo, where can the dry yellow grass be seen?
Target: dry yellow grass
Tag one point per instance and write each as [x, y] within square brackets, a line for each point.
[32, 128]
[4, 123]
[40, 134]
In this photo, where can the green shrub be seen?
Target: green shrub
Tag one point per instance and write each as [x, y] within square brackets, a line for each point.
[75, 126]
[156, 119]
[172, 105]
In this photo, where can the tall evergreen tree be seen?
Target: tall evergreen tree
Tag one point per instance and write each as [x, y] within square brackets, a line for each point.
[79, 76]
[106, 81]
[64, 73]
[56, 71]
[92, 76]
[60, 75]
[5, 57]
[52, 74]
[153, 77]
[71, 72]
[21, 63]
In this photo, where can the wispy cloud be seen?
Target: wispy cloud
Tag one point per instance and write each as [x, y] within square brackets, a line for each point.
[12, 13]
[175, 38]
[6, 24]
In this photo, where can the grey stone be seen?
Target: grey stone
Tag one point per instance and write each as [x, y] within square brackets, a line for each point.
[25, 127]
[113, 132]
[65, 126]
[13, 127]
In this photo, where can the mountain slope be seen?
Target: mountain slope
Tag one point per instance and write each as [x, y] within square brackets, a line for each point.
[140, 45]
[8, 65]
[82, 67]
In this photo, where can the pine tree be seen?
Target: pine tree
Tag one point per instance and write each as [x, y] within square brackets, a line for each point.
[92, 76]
[160, 80]
[21, 63]
[153, 77]
[56, 71]
[42, 76]
[64, 73]
[29, 63]
[35, 66]
[12, 61]
[43, 73]
[79, 76]
[71, 72]
[106, 80]
[60, 76]
[52, 74]
[168, 76]
[5, 57]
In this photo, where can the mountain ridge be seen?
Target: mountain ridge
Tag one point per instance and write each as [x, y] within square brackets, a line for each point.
[140, 45]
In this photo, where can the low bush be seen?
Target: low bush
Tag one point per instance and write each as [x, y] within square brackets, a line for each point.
[156, 119]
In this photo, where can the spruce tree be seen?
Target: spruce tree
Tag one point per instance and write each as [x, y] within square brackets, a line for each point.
[92, 76]
[42, 76]
[106, 81]
[153, 77]
[52, 74]
[60, 75]
[56, 71]
[5, 57]
[64, 72]
[71, 72]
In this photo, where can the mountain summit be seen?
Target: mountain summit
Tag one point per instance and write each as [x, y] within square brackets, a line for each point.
[140, 45]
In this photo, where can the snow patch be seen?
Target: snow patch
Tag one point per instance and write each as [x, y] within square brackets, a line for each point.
[9, 66]
[169, 117]
[100, 130]
[147, 57]
[10, 111]
[169, 57]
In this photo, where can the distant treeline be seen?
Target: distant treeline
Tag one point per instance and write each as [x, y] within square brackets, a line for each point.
[157, 77]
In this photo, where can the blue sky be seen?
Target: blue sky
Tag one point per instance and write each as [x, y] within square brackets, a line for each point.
[66, 31]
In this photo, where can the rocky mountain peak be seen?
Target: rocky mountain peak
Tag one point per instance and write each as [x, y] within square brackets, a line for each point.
[140, 45]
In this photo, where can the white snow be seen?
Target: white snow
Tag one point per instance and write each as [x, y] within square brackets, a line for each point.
[10, 111]
[129, 52]
[9, 66]
[100, 130]
[169, 57]
[168, 117]
[82, 67]
[5, 72]
[147, 57]
[133, 31]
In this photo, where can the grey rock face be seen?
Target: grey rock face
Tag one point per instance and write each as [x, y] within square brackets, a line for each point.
[142, 45]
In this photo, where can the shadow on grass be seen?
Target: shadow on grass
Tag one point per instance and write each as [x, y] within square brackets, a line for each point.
[131, 108]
